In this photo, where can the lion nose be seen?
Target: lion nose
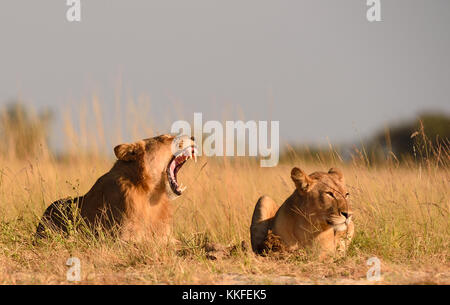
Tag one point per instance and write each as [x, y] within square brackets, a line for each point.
[346, 214]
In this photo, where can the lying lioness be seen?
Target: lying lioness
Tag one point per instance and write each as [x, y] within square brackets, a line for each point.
[134, 195]
[318, 212]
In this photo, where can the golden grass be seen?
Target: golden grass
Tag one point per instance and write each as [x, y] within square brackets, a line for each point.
[401, 217]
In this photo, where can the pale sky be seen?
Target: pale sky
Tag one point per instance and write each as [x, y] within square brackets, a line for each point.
[319, 67]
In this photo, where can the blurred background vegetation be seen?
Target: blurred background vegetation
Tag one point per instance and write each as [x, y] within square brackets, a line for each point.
[403, 139]
[25, 133]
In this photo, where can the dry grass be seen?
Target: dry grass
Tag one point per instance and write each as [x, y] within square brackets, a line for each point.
[401, 217]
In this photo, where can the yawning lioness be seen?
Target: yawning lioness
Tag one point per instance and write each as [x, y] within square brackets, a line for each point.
[134, 195]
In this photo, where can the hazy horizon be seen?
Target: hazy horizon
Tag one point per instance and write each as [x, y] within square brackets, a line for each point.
[318, 67]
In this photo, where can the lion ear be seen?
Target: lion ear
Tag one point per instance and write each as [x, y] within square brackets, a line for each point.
[129, 152]
[302, 181]
[337, 172]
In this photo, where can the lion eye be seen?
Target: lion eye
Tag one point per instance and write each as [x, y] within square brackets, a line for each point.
[346, 195]
[330, 194]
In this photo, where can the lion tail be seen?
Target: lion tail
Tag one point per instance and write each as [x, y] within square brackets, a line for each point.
[263, 215]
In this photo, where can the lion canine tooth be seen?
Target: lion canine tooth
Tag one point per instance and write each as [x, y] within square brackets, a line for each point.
[194, 154]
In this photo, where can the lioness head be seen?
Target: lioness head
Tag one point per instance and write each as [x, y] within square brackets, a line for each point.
[326, 197]
[159, 158]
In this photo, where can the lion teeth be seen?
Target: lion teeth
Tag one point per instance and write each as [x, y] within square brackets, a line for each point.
[194, 154]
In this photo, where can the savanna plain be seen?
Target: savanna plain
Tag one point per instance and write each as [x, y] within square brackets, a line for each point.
[401, 216]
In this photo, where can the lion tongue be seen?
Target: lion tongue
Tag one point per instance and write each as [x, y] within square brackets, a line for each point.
[174, 168]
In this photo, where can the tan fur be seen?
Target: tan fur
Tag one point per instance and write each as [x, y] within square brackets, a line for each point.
[133, 196]
[313, 215]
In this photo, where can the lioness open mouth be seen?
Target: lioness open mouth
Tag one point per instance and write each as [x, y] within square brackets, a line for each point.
[176, 163]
